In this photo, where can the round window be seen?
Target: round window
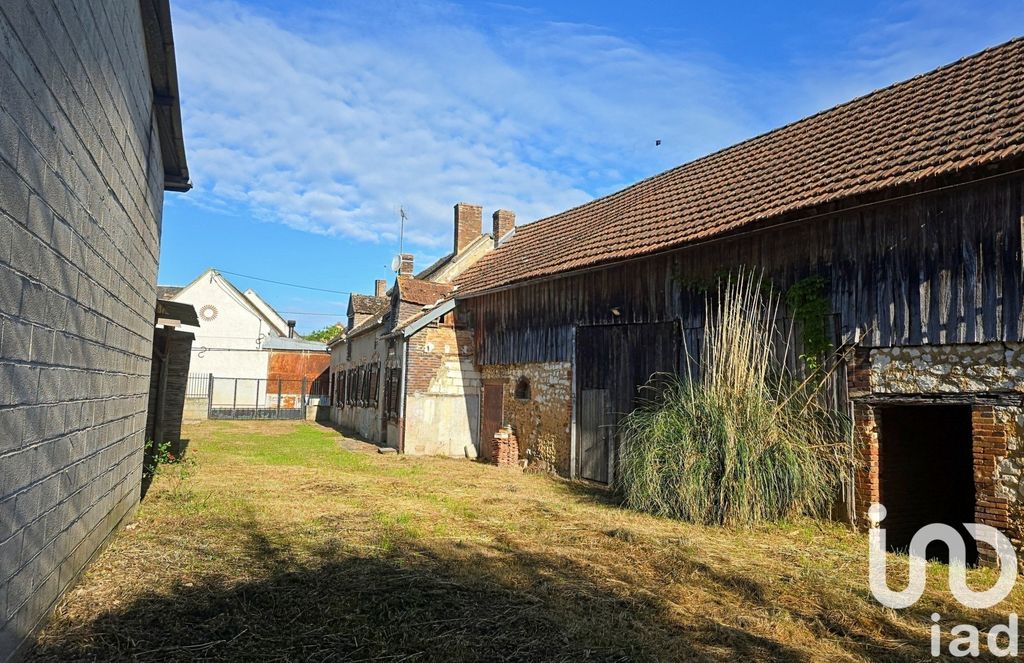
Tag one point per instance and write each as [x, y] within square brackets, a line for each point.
[208, 312]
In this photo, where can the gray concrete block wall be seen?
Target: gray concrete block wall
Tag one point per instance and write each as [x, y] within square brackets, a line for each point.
[81, 190]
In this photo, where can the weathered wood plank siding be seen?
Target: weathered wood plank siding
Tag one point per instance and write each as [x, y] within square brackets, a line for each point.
[936, 268]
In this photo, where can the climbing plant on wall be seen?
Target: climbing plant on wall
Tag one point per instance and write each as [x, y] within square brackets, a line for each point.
[810, 308]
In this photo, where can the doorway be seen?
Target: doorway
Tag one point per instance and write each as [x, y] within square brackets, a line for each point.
[926, 473]
[493, 416]
[613, 364]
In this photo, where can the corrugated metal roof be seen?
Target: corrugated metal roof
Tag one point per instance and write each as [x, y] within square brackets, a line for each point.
[285, 343]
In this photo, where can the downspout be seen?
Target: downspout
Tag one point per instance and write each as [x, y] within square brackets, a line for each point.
[401, 395]
[161, 391]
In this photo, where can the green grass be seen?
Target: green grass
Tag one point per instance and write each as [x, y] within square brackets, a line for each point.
[285, 546]
[305, 446]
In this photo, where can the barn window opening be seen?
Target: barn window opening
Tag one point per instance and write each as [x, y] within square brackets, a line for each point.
[926, 474]
[522, 392]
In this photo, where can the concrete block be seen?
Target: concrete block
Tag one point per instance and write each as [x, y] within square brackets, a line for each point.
[16, 340]
[10, 555]
[12, 421]
[14, 194]
[10, 291]
[19, 588]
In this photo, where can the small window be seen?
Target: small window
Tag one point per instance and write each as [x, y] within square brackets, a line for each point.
[523, 389]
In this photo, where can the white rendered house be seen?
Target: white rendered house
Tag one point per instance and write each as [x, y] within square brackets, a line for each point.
[234, 327]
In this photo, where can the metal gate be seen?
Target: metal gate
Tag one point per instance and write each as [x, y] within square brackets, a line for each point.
[255, 398]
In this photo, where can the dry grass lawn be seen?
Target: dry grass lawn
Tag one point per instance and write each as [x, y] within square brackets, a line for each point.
[289, 545]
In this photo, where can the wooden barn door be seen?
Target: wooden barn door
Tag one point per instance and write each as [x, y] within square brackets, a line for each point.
[494, 412]
[613, 362]
[594, 440]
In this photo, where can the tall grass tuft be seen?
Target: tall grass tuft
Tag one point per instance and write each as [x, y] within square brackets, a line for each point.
[746, 440]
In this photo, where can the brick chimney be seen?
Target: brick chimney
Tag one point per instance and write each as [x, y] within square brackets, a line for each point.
[504, 222]
[405, 267]
[468, 224]
[380, 288]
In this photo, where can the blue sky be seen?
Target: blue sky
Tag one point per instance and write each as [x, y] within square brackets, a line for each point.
[308, 124]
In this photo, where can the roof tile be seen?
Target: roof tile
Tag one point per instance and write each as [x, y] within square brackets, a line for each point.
[965, 114]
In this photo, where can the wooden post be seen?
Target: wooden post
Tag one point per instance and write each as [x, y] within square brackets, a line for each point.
[278, 398]
[234, 399]
[209, 398]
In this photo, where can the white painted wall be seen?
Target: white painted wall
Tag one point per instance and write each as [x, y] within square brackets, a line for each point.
[230, 344]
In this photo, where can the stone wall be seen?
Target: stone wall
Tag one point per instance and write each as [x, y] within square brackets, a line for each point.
[541, 422]
[985, 376]
[947, 369]
[81, 193]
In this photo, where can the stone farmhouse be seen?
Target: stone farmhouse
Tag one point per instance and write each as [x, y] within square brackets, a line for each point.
[907, 203]
[402, 373]
[90, 138]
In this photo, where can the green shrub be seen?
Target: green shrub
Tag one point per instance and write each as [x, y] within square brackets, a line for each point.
[744, 442]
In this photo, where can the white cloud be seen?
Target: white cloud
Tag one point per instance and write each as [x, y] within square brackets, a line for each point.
[327, 121]
[330, 129]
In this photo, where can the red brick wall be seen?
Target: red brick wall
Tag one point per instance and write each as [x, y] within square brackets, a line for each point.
[866, 487]
[990, 446]
[989, 433]
[423, 365]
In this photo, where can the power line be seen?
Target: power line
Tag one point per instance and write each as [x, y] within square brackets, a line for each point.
[290, 285]
[311, 313]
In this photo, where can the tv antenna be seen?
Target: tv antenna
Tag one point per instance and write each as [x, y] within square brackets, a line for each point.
[401, 232]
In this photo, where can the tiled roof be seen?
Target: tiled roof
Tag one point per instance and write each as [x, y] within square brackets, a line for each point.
[368, 303]
[167, 291]
[420, 292]
[366, 325]
[966, 114]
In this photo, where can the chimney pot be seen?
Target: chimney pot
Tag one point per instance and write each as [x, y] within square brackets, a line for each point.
[405, 267]
[380, 288]
[468, 224]
[504, 222]
[291, 329]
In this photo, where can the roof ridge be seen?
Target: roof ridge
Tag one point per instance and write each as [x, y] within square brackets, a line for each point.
[955, 117]
[776, 130]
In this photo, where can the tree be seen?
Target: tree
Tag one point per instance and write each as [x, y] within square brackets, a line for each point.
[325, 334]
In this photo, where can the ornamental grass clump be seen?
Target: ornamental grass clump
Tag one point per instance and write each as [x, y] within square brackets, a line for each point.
[746, 440]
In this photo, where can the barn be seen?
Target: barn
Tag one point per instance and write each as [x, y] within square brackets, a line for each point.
[905, 204]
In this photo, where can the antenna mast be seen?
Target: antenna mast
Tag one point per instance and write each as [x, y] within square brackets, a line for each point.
[401, 234]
